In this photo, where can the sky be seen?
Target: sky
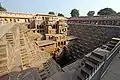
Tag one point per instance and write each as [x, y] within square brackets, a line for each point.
[59, 6]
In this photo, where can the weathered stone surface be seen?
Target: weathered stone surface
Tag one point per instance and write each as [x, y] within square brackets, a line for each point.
[18, 52]
[93, 36]
[88, 38]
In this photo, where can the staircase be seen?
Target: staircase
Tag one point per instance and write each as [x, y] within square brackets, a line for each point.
[110, 45]
[9, 38]
[23, 50]
[3, 59]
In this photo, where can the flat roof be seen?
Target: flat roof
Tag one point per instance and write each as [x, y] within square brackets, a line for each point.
[98, 51]
[39, 14]
[45, 42]
[56, 35]
[25, 13]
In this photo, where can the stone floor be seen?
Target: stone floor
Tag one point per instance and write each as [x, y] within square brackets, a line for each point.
[113, 72]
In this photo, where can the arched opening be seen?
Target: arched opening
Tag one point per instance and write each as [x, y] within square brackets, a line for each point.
[58, 43]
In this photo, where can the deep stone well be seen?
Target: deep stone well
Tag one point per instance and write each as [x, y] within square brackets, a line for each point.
[89, 38]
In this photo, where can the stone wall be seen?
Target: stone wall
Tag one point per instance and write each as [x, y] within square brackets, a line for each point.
[89, 38]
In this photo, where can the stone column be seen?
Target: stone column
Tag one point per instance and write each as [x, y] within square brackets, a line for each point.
[118, 23]
[112, 22]
[108, 22]
[101, 22]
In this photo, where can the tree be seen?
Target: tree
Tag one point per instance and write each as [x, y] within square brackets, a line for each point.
[74, 13]
[106, 11]
[2, 8]
[118, 13]
[91, 13]
[60, 14]
[51, 13]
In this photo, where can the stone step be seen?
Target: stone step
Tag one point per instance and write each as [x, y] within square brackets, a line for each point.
[110, 45]
[109, 48]
[3, 69]
[3, 55]
[86, 70]
[3, 59]
[113, 42]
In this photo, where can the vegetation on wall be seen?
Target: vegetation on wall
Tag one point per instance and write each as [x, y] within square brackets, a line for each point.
[2, 8]
[91, 13]
[106, 11]
[60, 14]
[51, 13]
[74, 13]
